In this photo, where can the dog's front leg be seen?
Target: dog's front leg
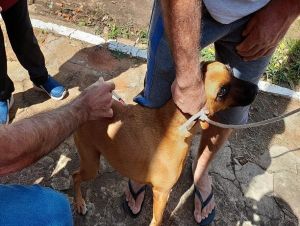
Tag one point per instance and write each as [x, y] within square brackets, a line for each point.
[160, 198]
[80, 205]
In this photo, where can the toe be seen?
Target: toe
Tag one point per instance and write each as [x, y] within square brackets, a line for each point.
[197, 212]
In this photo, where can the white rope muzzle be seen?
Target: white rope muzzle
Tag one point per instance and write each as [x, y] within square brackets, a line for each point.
[203, 117]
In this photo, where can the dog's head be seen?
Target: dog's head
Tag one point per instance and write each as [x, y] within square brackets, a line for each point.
[223, 90]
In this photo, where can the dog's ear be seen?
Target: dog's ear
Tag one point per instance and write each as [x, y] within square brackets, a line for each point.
[243, 92]
[203, 66]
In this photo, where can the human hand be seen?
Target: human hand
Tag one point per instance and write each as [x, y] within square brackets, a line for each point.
[190, 99]
[97, 100]
[0, 9]
[266, 28]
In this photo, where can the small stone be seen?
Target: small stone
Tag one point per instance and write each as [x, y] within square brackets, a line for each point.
[90, 209]
[247, 223]
[105, 18]
[66, 173]
[61, 183]
[238, 167]
[105, 31]
[46, 161]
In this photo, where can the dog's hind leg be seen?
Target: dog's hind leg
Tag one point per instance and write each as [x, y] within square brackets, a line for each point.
[89, 166]
[160, 198]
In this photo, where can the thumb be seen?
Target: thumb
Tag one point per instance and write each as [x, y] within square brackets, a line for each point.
[101, 80]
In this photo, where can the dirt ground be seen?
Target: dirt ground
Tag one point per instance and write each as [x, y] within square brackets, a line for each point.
[127, 19]
[255, 177]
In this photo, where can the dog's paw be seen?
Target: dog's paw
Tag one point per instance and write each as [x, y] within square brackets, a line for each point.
[81, 207]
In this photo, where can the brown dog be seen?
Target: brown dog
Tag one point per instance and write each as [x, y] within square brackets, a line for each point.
[146, 144]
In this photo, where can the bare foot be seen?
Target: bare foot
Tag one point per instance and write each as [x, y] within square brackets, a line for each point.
[204, 187]
[135, 205]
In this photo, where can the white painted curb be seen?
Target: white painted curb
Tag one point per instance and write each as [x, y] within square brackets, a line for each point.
[90, 38]
[271, 88]
[137, 52]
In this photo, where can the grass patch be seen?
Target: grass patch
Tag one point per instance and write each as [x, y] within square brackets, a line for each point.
[118, 31]
[284, 67]
[208, 53]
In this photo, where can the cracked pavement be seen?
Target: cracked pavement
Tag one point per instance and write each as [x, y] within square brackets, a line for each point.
[255, 176]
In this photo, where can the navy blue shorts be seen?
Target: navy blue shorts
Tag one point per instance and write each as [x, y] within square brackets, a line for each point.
[33, 206]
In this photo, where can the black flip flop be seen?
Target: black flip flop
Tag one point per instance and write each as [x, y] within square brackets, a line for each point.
[134, 195]
[211, 216]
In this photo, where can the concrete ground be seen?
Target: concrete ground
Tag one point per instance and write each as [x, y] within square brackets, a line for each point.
[256, 177]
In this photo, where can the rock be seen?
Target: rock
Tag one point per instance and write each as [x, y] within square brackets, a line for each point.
[249, 170]
[90, 209]
[60, 183]
[256, 182]
[282, 159]
[237, 165]
[104, 166]
[66, 173]
[221, 164]
[61, 164]
[46, 161]
[247, 223]
[286, 185]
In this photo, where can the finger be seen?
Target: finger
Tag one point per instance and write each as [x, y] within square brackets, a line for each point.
[249, 27]
[261, 53]
[109, 104]
[250, 51]
[248, 43]
[111, 85]
[108, 113]
[101, 80]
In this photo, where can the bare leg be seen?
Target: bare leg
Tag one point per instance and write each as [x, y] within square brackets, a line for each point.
[212, 140]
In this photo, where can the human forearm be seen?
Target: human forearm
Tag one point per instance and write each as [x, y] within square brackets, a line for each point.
[182, 20]
[26, 141]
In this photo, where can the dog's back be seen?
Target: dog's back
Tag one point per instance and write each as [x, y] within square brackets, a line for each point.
[137, 140]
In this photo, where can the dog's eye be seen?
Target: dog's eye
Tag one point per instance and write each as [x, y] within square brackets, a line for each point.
[222, 93]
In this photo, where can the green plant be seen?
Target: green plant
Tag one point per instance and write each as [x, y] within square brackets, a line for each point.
[143, 36]
[284, 67]
[208, 53]
[116, 31]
